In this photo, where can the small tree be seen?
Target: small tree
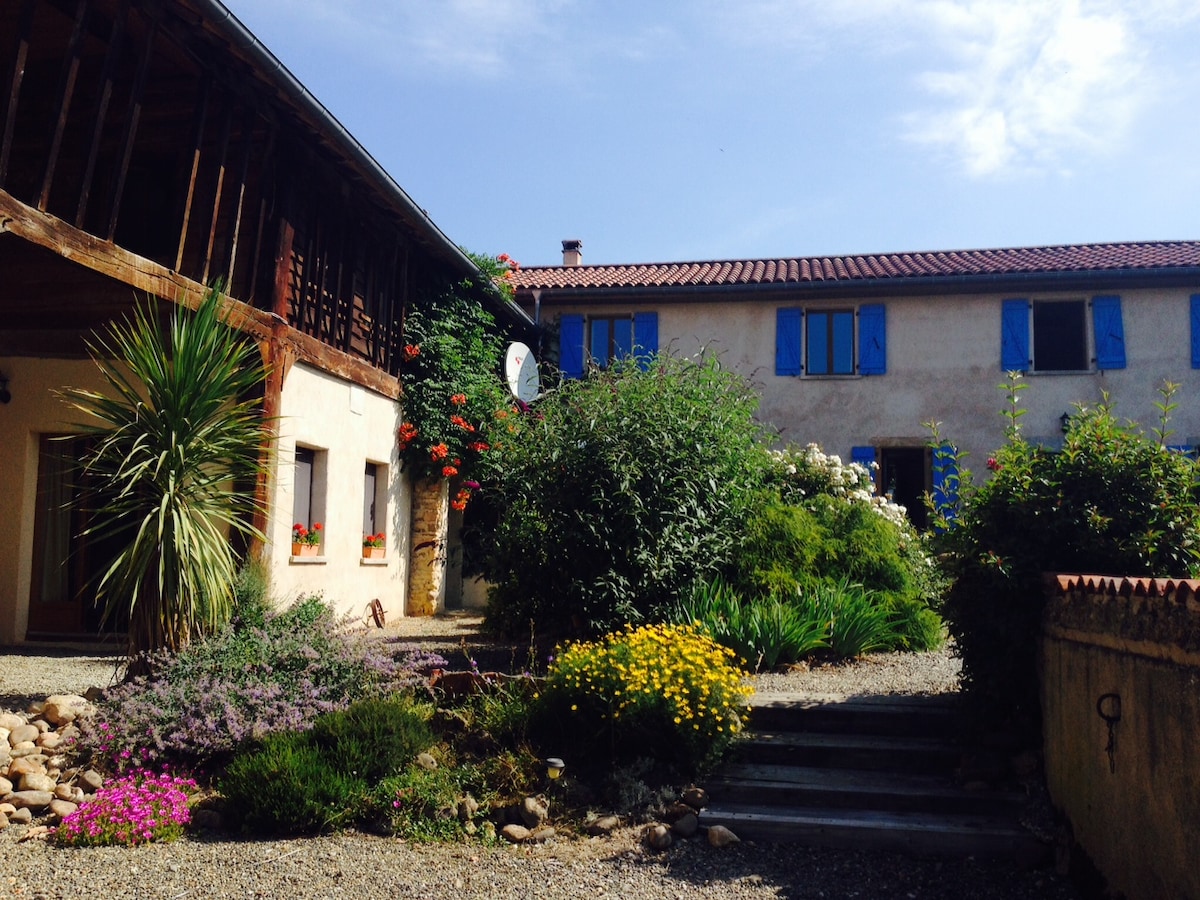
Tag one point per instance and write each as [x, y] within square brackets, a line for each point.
[616, 493]
[174, 459]
[1111, 500]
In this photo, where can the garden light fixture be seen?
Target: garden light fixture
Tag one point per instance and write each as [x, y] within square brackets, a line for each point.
[554, 768]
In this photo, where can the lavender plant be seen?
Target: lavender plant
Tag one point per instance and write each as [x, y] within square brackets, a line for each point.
[221, 693]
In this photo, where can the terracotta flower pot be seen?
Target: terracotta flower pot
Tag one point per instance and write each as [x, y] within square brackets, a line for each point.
[305, 549]
[374, 552]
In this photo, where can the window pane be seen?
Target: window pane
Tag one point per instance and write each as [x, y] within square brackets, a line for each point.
[599, 345]
[622, 338]
[843, 343]
[302, 490]
[817, 349]
[370, 479]
[1059, 336]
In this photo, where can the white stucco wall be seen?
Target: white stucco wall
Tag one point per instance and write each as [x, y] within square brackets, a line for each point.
[32, 412]
[349, 426]
[943, 364]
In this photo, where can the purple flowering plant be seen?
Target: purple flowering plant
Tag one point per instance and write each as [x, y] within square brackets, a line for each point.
[138, 808]
[202, 704]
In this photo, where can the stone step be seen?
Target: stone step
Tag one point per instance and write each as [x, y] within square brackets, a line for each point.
[910, 832]
[829, 788]
[895, 715]
[913, 755]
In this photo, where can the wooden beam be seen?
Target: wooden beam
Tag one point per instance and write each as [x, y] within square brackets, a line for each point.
[20, 55]
[230, 260]
[215, 215]
[132, 116]
[106, 87]
[197, 141]
[66, 93]
[45, 230]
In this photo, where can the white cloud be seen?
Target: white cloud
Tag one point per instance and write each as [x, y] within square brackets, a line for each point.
[1000, 85]
[1031, 83]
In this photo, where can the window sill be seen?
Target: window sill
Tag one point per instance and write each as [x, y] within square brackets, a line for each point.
[373, 562]
[307, 560]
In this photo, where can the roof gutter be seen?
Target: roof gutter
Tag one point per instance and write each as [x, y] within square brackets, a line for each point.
[891, 287]
[245, 41]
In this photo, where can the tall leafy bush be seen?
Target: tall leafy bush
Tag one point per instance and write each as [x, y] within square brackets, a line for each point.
[617, 493]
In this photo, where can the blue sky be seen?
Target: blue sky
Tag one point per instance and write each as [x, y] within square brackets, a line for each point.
[656, 130]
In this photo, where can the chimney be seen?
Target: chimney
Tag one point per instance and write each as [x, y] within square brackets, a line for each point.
[572, 252]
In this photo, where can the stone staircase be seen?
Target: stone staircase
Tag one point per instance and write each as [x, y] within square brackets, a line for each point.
[872, 773]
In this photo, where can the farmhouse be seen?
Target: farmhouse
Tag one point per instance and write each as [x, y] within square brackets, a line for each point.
[148, 150]
[857, 353]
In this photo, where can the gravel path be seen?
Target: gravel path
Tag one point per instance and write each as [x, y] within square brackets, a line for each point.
[364, 866]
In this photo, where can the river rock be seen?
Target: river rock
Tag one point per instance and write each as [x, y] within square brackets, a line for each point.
[3, 821]
[686, 825]
[62, 709]
[534, 811]
[49, 741]
[540, 835]
[515, 834]
[720, 836]
[22, 733]
[27, 765]
[22, 816]
[69, 792]
[427, 761]
[39, 783]
[603, 825]
[658, 837]
[696, 798]
[91, 781]
[6, 786]
[468, 806]
[9, 721]
[62, 808]
[30, 799]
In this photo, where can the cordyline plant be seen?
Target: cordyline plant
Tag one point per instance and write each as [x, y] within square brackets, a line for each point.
[174, 460]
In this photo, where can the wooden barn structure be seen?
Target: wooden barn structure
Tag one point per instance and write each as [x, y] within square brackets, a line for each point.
[149, 148]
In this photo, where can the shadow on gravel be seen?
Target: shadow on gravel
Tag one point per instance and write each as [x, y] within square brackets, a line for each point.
[809, 872]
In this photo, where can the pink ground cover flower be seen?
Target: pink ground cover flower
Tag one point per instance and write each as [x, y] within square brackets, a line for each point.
[135, 809]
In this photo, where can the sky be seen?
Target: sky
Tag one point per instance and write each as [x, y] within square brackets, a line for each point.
[667, 130]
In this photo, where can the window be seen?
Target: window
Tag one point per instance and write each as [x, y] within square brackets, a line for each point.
[374, 498]
[601, 339]
[1059, 339]
[308, 488]
[831, 341]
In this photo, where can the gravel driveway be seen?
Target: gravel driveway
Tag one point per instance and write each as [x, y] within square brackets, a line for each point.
[355, 865]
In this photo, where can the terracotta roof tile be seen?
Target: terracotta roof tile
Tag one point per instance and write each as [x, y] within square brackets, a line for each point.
[897, 266]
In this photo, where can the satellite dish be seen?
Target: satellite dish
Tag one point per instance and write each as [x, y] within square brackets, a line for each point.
[521, 373]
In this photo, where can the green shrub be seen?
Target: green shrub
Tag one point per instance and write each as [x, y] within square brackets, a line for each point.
[375, 737]
[323, 779]
[916, 627]
[290, 786]
[616, 494]
[421, 804]
[1112, 500]
[666, 692]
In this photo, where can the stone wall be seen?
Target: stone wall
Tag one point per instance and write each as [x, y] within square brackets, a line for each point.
[1121, 710]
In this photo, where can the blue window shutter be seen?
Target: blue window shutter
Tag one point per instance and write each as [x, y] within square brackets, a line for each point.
[1014, 337]
[787, 341]
[1110, 332]
[864, 456]
[645, 336]
[570, 345]
[1196, 331]
[945, 480]
[872, 339]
